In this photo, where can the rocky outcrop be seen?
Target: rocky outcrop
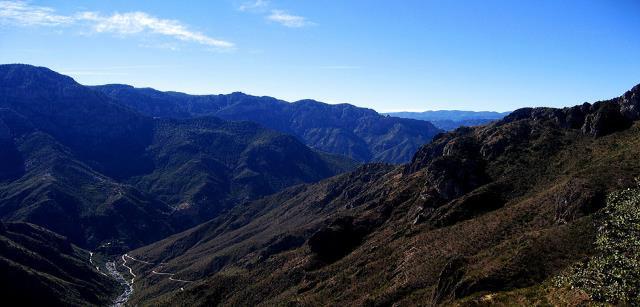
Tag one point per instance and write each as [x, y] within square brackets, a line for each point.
[607, 118]
[454, 163]
[452, 176]
[449, 279]
[630, 103]
[453, 166]
[598, 119]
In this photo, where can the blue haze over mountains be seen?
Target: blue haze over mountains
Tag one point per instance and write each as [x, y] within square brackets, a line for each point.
[452, 119]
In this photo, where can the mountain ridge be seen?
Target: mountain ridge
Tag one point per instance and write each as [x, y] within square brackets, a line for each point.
[359, 133]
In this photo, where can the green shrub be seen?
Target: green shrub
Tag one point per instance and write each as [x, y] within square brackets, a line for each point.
[613, 275]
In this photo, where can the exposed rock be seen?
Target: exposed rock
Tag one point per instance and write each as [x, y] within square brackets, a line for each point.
[519, 114]
[575, 116]
[453, 166]
[452, 177]
[597, 120]
[450, 276]
[606, 119]
[630, 103]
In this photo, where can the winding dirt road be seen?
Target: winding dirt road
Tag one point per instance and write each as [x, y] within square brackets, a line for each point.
[111, 268]
[153, 271]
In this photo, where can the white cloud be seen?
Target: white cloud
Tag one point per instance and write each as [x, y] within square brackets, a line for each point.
[288, 20]
[140, 22]
[280, 16]
[254, 5]
[23, 14]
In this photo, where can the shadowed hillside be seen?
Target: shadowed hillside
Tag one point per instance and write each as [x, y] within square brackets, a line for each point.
[38, 267]
[82, 165]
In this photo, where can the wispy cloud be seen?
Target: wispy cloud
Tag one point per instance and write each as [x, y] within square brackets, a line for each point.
[276, 15]
[288, 20]
[23, 14]
[255, 5]
[140, 22]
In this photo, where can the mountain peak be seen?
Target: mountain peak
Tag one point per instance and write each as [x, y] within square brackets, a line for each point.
[24, 74]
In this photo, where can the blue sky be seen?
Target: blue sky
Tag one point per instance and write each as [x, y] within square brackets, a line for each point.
[386, 55]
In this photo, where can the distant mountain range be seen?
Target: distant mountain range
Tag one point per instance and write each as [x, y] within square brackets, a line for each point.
[359, 133]
[90, 168]
[451, 119]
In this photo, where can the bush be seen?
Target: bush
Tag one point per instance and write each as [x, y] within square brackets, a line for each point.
[613, 275]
